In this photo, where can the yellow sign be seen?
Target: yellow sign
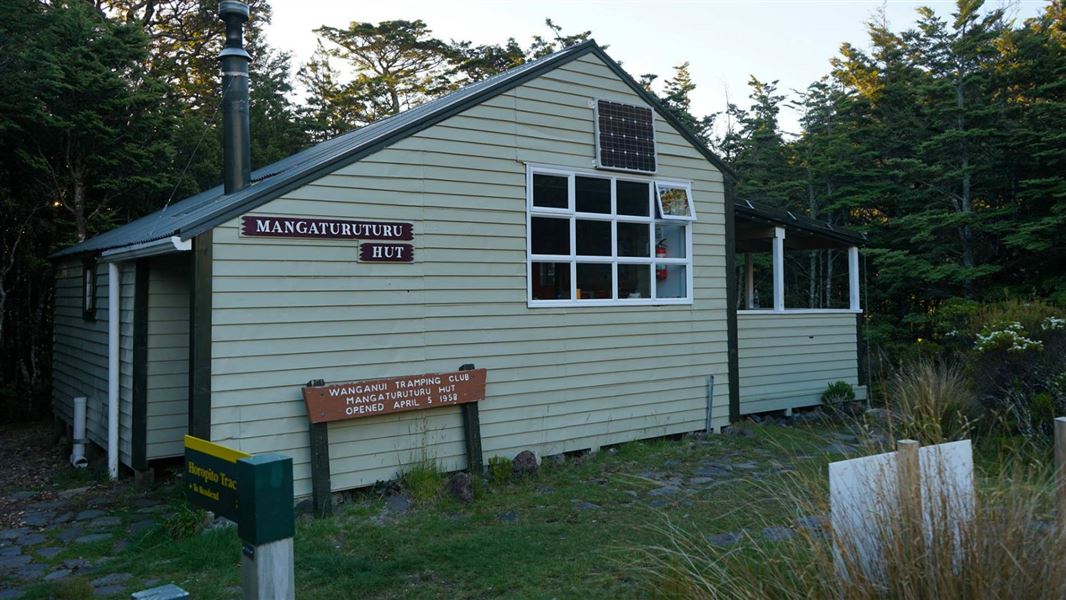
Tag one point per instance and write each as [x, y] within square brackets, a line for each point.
[213, 449]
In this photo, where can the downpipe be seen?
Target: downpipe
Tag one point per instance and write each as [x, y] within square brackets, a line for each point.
[77, 454]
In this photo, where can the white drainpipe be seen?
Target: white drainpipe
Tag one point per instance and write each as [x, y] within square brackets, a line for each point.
[112, 368]
[77, 454]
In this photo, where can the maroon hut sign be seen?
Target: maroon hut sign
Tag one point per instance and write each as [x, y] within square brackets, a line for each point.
[331, 229]
[384, 252]
[395, 394]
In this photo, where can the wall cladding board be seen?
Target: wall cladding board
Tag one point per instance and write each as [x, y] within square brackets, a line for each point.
[79, 356]
[787, 360]
[168, 355]
[560, 379]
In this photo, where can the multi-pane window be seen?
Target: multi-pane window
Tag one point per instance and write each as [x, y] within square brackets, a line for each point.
[597, 239]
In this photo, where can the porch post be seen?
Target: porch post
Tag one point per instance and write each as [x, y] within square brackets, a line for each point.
[749, 281]
[779, 269]
[853, 276]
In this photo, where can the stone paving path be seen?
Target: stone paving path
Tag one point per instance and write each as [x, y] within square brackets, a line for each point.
[74, 533]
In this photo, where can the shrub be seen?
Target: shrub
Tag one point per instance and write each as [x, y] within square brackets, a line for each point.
[499, 470]
[423, 480]
[840, 391]
[932, 402]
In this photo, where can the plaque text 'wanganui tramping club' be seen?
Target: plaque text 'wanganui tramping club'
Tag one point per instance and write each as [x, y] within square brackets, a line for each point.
[386, 250]
[395, 394]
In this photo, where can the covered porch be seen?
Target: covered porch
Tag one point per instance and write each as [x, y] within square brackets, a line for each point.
[788, 354]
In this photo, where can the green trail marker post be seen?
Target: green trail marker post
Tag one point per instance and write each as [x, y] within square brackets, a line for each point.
[256, 492]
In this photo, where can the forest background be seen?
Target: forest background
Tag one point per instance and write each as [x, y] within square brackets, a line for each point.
[944, 142]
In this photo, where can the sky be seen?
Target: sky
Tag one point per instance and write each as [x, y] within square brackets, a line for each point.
[725, 41]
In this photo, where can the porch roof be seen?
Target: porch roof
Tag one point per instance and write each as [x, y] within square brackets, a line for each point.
[755, 222]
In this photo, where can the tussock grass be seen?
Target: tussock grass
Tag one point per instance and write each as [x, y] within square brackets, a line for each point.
[931, 401]
[1010, 548]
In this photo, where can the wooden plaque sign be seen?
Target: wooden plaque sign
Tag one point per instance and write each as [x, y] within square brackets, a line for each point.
[335, 229]
[383, 252]
[396, 394]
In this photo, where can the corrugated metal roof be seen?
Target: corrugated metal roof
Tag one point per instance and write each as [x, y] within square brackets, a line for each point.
[789, 219]
[208, 209]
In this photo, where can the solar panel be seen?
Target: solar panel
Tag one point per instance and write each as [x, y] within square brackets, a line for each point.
[626, 136]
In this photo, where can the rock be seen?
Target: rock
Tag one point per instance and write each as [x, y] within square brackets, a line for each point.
[582, 505]
[143, 502]
[10, 534]
[219, 523]
[75, 564]
[24, 495]
[49, 552]
[150, 509]
[734, 431]
[13, 562]
[556, 460]
[31, 539]
[30, 571]
[10, 550]
[37, 519]
[398, 504]
[817, 525]
[460, 487]
[666, 490]
[660, 503]
[74, 492]
[746, 466]
[105, 522]
[777, 534]
[844, 437]
[109, 590]
[631, 493]
[92, 513]
[142, 526]
[68, 535]
[121, 545]
[304, 507]
[172, 592]
[111, 579]
[670, 463]
[93, 537]
[11, 594]
[508, 517]
[62, 518]
[58, 574]
[525, 463]
[700, 480]
[724, 539]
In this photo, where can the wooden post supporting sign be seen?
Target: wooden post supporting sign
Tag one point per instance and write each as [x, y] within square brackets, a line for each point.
[353, 400]
[909, 478]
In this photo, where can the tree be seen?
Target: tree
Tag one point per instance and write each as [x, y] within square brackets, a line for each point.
[397, 65]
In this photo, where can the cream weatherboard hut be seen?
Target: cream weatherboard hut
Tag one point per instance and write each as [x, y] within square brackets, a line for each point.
[593, 280]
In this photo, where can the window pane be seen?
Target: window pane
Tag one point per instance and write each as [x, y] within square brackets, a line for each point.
[634, 281]
[673, 201]
[632, 198]
[633, 239]
[550, 191]
[551, 236]
[671, 237]
[593, 238]
[592, 195]
[671, 281]
[551, 281]
[593, 282]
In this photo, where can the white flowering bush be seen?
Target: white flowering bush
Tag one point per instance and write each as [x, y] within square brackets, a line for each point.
[1053, 324]
[1008, 336]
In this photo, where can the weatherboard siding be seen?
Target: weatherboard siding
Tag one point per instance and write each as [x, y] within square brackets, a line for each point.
[787, 360]
[79, 356]
[286, 311]
[168, 355]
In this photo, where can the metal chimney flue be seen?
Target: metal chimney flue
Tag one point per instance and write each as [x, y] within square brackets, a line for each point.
[236, 142]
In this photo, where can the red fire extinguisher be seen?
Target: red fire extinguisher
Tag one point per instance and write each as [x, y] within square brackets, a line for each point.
[660, 269]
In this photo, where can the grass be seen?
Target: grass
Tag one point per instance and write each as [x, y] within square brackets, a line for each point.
[535, 538]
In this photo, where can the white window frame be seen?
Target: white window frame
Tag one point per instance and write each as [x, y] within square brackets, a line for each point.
[572, 259]
[677, 185]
